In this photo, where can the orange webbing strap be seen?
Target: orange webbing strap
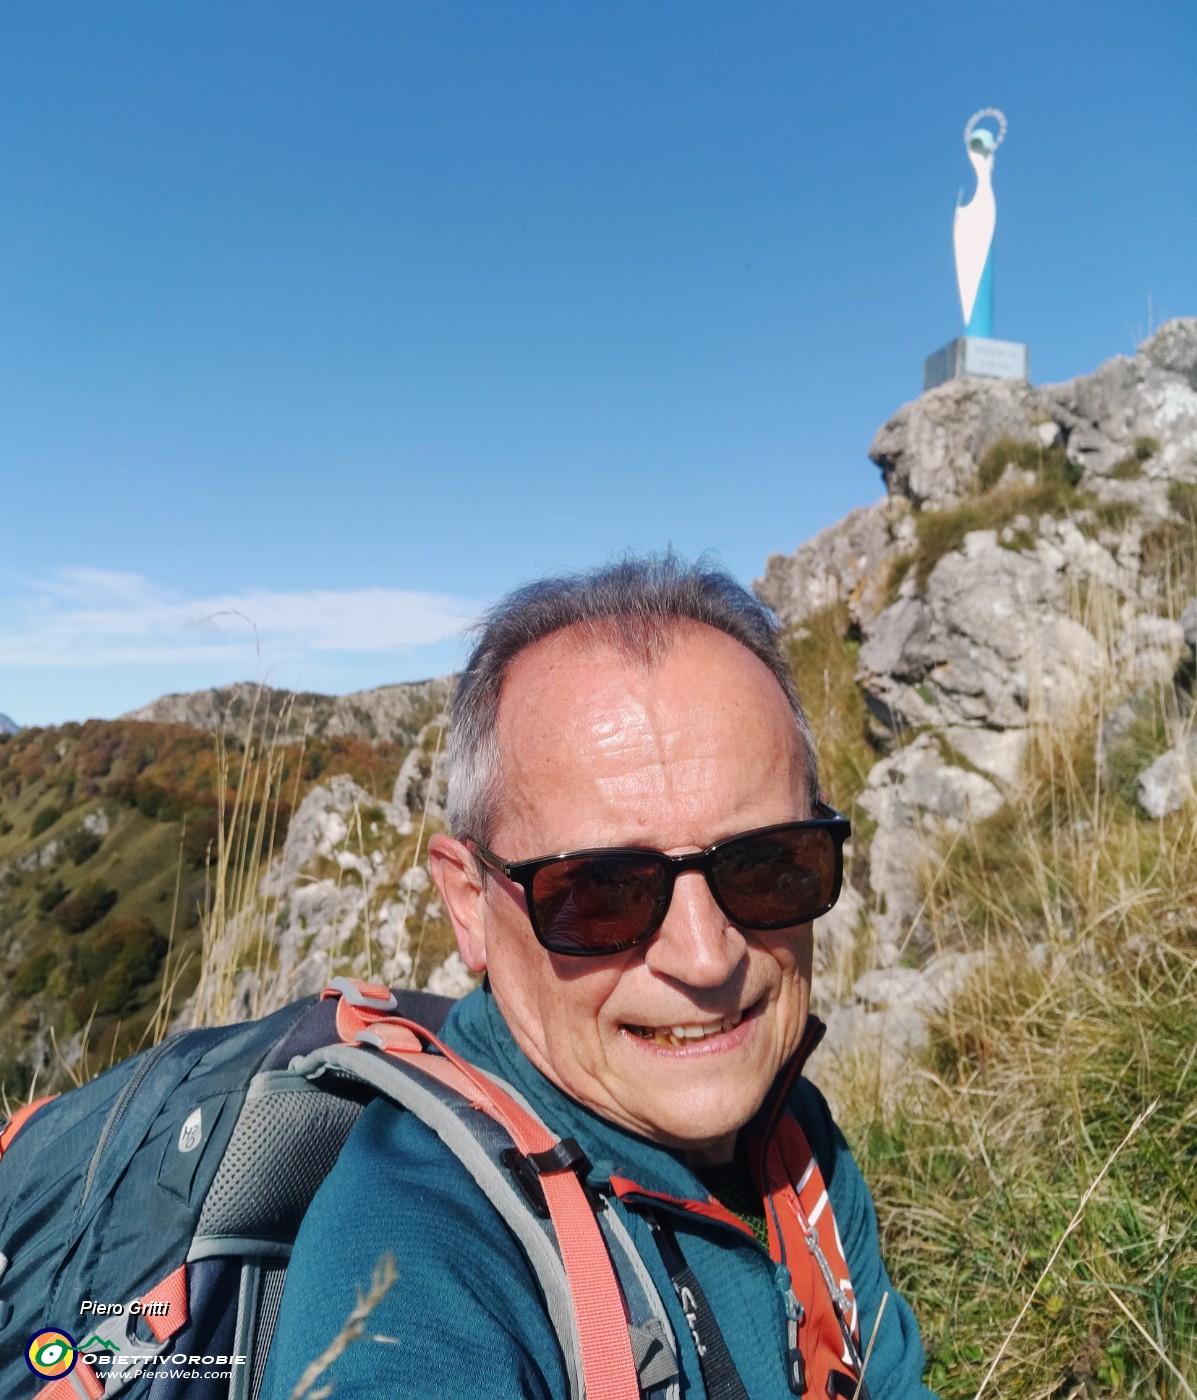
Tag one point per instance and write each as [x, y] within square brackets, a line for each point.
[81, 1384]
[608, 1367]
[18, 1121]
[810, 1246]
[173, 1292]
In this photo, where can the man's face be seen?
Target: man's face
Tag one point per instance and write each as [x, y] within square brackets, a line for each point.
[597, 751]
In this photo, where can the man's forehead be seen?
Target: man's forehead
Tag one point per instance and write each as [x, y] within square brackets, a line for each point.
[583, 678]
[598, 749]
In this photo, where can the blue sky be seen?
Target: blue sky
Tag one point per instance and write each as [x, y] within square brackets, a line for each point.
[322, 324]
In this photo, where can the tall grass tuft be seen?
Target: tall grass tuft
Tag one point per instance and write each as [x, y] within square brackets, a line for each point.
[236, 922]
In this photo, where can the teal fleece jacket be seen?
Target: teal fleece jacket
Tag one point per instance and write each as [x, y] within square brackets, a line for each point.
[465, 1317]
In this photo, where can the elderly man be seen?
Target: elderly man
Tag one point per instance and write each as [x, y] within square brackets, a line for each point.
[636, 852]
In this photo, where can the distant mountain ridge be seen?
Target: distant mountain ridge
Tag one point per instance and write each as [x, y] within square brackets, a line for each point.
[8, 726]
[395, 713]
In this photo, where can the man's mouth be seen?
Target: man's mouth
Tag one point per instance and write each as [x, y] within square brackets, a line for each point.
[677, 1037]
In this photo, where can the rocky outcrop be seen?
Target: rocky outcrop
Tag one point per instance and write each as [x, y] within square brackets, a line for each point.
[392, 712]
[929, 452]
[842, 563]
[989, 636]
[986, 606]
[346, 896]
[966, 595]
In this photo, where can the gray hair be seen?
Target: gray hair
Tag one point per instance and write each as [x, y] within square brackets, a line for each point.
[635, 606]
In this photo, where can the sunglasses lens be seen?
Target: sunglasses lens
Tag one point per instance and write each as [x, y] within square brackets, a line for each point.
[593, 904]
[775, 878]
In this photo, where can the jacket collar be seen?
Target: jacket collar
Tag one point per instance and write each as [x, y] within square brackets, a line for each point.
[476, 1029]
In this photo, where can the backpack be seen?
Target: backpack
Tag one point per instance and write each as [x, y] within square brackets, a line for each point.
[167, 1193]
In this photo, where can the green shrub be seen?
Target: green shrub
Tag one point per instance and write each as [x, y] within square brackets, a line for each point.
[150, 798]
[1045, 462]
[82, 844]
[124, 957]
[1053, 492]
[1112, 515]
[1146, 447]
[53, 894]
[1130, 468]
[34, 973]
[200, 835]
[823, 656]
[941, 532]
[86, 906]
[44, 819]
[1169, 556]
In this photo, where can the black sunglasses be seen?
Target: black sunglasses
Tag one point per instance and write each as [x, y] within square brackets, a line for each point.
[589, 903]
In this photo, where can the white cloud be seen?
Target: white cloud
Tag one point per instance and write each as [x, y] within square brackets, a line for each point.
[99, 617]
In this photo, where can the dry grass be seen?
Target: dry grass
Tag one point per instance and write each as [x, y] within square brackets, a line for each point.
[236, 923]
[823, 655]
[385, 1274]
[1048, 1249]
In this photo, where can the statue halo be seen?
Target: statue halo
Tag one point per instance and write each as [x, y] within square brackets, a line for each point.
[996, 115]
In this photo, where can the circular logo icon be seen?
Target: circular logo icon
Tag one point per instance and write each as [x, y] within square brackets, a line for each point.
[51, 1353]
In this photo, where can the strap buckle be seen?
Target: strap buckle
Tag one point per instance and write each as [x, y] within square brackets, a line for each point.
[528, 1167]
[355, 994]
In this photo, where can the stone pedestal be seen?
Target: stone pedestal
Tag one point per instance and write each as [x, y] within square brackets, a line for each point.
[970, 354]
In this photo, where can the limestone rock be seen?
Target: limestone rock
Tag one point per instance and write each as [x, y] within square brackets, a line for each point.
[887, 1022]
[452, 978]
[1173, 348]
[339, 901]
[998, 752]
[916, 799]
[1152, 395]
[990, 633]
[1168, 784]
[836, 935]
[845, 561]
[422, 785]
[928, 452]
[1188, 625]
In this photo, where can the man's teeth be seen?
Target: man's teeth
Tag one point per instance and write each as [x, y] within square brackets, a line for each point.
[677, 1036]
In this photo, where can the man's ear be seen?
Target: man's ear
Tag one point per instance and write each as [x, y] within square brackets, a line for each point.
[457, 877]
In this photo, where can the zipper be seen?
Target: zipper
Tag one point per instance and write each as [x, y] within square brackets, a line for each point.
[117, 1112]
[793, 1311]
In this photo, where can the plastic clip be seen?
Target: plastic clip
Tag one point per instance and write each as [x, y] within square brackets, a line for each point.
[351, 992]
[529, 1167]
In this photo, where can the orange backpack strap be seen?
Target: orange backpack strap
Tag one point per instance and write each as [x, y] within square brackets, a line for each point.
[18, 1121]
[810, 1245]
[164, 1310]
[608, 1365]
[80, 1384]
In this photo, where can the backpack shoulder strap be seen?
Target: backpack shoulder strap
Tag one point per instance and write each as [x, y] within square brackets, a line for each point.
[483, 1123]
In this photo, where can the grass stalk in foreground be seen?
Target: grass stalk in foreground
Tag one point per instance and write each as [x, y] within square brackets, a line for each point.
[236, 922]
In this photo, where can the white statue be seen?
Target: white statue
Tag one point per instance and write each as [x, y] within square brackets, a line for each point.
[972, 230]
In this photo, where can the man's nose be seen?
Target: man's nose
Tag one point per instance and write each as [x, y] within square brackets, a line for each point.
[697, 943]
